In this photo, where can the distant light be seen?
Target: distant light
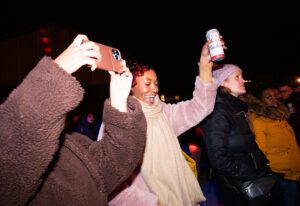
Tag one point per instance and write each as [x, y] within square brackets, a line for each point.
[177, 97]
[298, 80]
[248, 81]
[198, 131]
[162, 98]
[47, 50]
[193, 148]
[45, 40]
[75, 119]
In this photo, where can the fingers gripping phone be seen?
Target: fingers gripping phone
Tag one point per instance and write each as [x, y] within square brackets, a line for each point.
[111, 59]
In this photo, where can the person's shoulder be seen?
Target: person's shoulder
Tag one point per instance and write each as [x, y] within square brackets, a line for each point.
[221, 106]
[220, 110]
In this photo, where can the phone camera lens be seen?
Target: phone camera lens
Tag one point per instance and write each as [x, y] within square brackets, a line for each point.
[116, 54]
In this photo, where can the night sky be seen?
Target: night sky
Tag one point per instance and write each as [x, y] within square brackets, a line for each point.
[262, 39]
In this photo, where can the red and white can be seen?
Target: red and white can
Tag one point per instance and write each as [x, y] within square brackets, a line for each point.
[215, 47]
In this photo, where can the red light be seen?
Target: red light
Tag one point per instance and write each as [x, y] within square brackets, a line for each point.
[47, 49]
[193, 148]
[45, 40]
[198, 131]
[75, 119]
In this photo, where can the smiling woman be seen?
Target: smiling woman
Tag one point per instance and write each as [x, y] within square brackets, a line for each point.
[164, 170]
[145, 83]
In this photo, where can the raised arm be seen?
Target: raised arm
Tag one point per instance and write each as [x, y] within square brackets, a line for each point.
[120, 150]
[32, 119]
[205, 64]
[186, 114]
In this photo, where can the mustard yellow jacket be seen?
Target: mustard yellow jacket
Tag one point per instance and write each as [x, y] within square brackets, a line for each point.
[277, 140]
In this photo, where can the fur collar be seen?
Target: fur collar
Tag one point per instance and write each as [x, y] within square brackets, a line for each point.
[255, 105]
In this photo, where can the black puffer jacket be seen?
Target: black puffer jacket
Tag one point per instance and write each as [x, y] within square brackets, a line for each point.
[231, 147]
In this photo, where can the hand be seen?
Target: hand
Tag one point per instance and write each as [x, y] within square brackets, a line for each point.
[120, 86]
[205, 63]
[205, 60]
[80, 52]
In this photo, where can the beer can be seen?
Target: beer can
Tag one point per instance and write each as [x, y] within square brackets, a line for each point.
[215, 46]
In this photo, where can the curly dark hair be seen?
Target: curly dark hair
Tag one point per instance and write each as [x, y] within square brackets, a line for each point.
[138, 70]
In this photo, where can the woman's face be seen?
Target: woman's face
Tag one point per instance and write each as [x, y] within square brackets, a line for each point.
[269, 97]
[235, 83]
[146, 87]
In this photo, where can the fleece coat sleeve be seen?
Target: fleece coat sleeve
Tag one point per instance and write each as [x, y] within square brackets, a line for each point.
[186, 114]
[31, 121]
[120, 150]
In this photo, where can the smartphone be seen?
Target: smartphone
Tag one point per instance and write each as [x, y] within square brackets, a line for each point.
[111, 59]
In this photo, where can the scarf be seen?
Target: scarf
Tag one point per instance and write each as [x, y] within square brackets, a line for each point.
[164, 167]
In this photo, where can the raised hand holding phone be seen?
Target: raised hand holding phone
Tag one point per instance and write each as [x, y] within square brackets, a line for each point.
[120, 86]
[110, 58]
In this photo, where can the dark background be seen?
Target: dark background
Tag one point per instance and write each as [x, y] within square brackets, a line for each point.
[262, 37]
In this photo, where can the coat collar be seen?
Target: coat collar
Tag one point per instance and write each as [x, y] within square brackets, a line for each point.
[257, 106]
[231, 101]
